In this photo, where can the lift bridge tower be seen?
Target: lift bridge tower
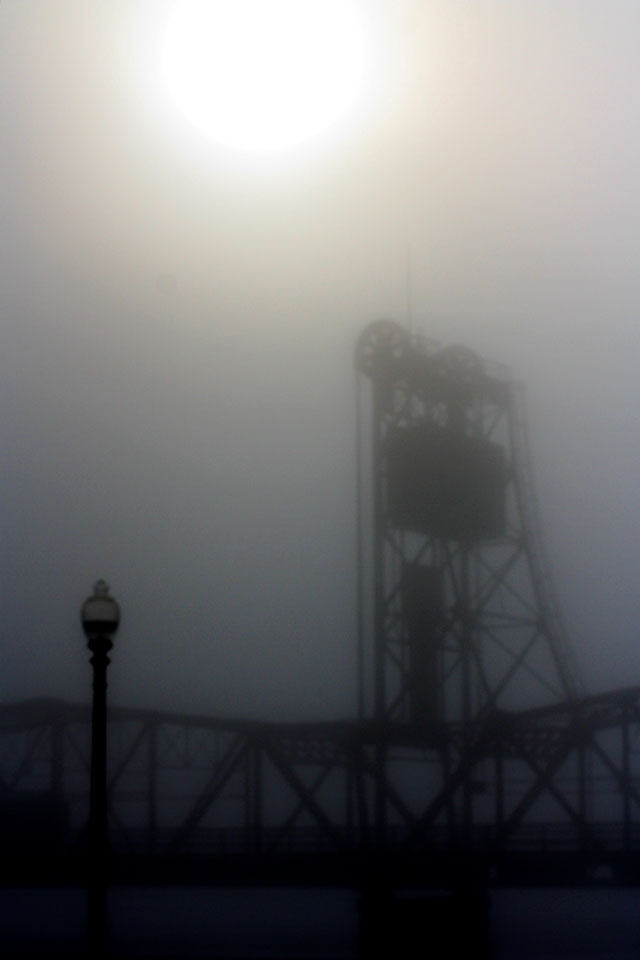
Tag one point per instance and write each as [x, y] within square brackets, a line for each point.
[458, 622]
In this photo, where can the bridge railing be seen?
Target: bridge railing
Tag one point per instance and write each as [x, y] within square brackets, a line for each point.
[534, 838]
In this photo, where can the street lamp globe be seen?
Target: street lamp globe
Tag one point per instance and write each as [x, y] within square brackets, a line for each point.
[100, 613]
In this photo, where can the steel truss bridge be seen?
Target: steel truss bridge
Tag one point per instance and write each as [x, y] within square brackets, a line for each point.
[201, 800]
[475, 758]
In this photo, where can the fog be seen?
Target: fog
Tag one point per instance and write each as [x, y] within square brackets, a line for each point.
[178, 326]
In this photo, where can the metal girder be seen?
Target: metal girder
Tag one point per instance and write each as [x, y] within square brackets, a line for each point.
[219, 778]
[544, 781]
[325, 778]
[304, 794]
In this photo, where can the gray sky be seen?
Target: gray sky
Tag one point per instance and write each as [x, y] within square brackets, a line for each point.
[178, 327]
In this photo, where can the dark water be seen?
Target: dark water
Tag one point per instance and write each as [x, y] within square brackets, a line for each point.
[190, 923]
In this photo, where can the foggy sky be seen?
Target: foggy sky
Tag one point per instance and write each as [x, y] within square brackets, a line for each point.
[178, 327]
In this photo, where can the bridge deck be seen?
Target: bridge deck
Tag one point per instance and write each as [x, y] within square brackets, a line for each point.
[542, 855]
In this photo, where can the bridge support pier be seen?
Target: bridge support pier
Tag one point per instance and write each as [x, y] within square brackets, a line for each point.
[434, 926]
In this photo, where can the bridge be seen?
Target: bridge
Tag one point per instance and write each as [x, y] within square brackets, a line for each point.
[475, 760]
[201, 800]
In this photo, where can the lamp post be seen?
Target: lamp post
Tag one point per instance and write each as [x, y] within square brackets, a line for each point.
[100, 617]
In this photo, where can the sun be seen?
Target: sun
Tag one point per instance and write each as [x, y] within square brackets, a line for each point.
[263, 75]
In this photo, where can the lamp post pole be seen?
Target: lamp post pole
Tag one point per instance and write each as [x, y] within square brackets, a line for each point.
[100, 618]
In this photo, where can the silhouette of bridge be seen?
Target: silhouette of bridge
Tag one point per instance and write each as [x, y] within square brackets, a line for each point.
[200, 800]
[475, 760]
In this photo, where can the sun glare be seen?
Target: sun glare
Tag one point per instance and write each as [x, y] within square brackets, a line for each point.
[263, 75]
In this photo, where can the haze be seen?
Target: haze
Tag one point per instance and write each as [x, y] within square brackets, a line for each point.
[178, 328]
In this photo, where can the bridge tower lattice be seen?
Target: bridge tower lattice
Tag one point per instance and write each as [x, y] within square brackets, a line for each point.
[457, 618]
